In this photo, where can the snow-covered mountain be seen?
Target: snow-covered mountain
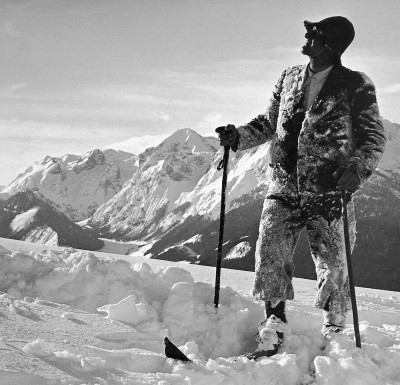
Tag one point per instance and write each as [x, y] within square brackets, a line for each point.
[390, 159]
[178, 181]
[173, 200]
[181, 214]
[30, 216]
[154, 198]
[78, 184]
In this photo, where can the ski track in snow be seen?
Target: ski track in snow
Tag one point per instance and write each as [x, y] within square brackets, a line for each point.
[77, 317]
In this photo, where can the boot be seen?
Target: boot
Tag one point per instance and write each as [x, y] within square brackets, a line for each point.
[271, 332]
[334, 323]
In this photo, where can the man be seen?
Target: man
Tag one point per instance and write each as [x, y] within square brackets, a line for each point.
[327, 136]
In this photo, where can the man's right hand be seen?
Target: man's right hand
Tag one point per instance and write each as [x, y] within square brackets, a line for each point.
[228, 136]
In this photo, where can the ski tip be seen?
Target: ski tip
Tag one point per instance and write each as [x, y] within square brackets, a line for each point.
[171, 351]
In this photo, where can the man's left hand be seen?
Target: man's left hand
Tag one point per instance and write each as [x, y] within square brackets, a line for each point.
[349, 181]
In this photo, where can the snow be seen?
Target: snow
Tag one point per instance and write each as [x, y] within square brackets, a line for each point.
[239, 251]
[73, 317]
[125, 310]
[171, 169]
[78, 184]
[116, 247]
[22, 221]
[43, 235]
[247, 170]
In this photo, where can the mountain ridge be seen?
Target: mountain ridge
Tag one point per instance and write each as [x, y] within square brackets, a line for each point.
[29, 216]
[173, 200]
[78, 184]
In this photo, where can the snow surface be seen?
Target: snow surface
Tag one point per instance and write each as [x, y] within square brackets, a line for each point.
[116, 247]
[72, 317]
[22, 221]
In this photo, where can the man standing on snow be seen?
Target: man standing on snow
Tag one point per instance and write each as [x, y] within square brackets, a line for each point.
[327, 136]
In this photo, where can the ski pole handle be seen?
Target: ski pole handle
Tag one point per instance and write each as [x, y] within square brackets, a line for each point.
[224, 161]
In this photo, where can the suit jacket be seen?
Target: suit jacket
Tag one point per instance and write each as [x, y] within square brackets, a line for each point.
[342, 129]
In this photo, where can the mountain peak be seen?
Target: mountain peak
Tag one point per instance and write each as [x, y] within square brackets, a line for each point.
[183, 135]
[90, 160]
[188, 138]
[49, 159]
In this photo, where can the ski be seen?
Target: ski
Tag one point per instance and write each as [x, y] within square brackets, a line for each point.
[171, 351]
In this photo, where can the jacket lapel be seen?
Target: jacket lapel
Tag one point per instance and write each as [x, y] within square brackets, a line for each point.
[330, 92]
[298, 91]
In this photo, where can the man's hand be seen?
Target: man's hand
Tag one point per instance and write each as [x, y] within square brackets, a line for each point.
[348, 180]
[228, 136]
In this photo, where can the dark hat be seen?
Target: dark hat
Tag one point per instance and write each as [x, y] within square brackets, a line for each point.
[337, 30]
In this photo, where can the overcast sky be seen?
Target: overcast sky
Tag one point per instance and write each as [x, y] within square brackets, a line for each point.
[82, 74]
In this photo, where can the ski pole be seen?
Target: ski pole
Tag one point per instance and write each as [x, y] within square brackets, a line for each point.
[350, 269]
[224, 166]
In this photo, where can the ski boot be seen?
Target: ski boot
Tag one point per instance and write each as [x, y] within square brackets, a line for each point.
[271, 332]
[333, 325]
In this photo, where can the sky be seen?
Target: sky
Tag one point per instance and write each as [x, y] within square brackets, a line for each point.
[83, 74]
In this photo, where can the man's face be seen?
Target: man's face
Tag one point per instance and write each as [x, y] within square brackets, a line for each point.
[312, 47]
[314, 42]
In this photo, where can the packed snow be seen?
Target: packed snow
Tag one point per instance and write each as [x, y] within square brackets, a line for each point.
[23, 220]
[72, 317]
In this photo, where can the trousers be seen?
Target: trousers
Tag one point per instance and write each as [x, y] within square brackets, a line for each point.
[282, 220]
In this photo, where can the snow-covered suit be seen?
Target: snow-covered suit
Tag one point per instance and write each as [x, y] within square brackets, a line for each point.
[342, 129]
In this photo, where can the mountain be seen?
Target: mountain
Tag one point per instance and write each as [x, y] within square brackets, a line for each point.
[174, 196]
[78, 184]
[31, 217]
[178, 181]
[390, 159]
[195, 237]
[173, 199]
[159, 192]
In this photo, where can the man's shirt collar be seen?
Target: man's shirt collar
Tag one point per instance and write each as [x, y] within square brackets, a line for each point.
[318, 75]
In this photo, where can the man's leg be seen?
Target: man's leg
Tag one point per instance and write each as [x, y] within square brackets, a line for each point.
[280, 226]
[279, 231]
[326, 238]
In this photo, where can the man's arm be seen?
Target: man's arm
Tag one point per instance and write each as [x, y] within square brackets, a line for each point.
[368, 131]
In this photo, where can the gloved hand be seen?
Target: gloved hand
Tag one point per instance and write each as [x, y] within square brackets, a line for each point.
[228, 136]
[348, 180]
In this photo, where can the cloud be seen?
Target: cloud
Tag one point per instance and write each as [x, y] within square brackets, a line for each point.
[137, 144]
[136, 95]
[9, 28]
[17, 86]
[162, 116]
[210, 121]
[391, 89]
[241, 91]
[48, 133]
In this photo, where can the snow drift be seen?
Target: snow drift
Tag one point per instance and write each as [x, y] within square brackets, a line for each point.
[91, 320]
